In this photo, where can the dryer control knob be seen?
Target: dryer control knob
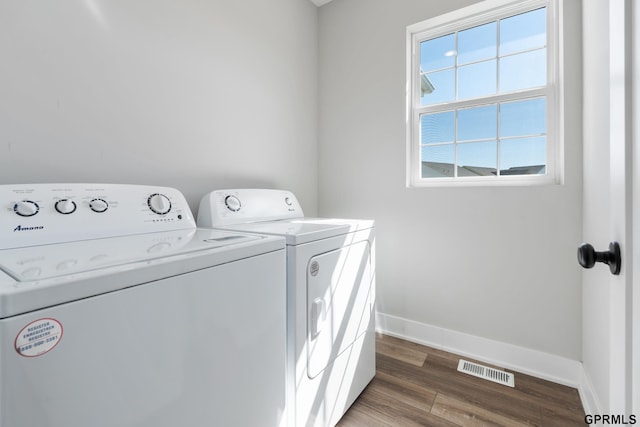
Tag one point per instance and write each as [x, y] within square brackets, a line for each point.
[98, 205]
[65, 206]
[26, 208]
[159, 203]
[233, 203]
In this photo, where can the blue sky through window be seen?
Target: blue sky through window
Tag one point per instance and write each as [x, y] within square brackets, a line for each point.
[499, 57]
[505, 135]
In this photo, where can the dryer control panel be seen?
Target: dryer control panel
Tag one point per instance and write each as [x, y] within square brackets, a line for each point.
[40, 214]
[227, 207]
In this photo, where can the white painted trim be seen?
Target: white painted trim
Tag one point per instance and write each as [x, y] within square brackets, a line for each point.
[588, 396]
[550, 367]
[468, 17]
[634, 257]
[620, 202]
[473, 15]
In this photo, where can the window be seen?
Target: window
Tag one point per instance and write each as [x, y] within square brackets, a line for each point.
[482, 107]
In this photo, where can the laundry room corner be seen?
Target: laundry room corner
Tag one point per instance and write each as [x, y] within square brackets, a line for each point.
[493, 263]
[274, 213]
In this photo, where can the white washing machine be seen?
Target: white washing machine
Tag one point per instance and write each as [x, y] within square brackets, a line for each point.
[330, 297]
[115, 311]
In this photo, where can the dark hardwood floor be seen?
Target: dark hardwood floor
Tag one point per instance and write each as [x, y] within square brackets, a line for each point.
[420, 386]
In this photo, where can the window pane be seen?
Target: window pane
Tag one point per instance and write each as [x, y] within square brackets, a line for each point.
[437, 161]
[523, 32]
[444, 87]
[438, 53]
[477, 80]
[482, 108]
[476, 44]
[437, 127]
[523, 71]
[477, 123]
[477, 158]
[523, 118]
[523, 156]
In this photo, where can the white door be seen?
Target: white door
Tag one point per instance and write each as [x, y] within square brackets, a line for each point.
[610, 359]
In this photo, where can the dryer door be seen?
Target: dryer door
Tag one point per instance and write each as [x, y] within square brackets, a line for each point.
[338, 303]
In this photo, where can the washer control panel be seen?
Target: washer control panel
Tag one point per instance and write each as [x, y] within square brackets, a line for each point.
[227, 207]
[40, 214]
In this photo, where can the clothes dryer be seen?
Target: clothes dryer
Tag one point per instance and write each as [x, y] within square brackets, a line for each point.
[116, 311]
[330, 297]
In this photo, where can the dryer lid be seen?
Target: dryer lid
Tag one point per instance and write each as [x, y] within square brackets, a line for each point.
[304, 230]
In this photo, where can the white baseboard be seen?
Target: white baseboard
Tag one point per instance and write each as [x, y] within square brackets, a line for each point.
[588, 396]
[527, 361]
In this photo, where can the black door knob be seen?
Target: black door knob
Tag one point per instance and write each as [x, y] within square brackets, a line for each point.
[587, 256]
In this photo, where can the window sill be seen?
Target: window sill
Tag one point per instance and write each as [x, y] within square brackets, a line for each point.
[510, 181]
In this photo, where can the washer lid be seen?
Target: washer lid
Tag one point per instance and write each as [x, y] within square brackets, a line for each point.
[49, 261]
[41, 276]
[304, 230]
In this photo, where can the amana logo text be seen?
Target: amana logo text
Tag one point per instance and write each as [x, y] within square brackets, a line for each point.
[21, 228]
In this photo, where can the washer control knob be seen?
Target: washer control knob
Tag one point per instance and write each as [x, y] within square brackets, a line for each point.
[232, 203]
[66, 206]
[26, 208]
[98, 205]
[159, 203]
[288, 201]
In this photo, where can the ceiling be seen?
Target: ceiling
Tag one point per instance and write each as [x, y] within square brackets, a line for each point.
[320, 2]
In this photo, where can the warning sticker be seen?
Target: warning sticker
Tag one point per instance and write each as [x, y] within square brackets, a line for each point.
[38, 337]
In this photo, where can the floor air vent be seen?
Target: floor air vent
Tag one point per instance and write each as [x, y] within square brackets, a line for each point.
[495, 375]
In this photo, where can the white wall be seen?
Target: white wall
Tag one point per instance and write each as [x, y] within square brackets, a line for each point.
[192, 94]
[498, 263]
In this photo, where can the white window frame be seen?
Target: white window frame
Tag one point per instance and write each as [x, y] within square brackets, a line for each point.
[469, 17]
